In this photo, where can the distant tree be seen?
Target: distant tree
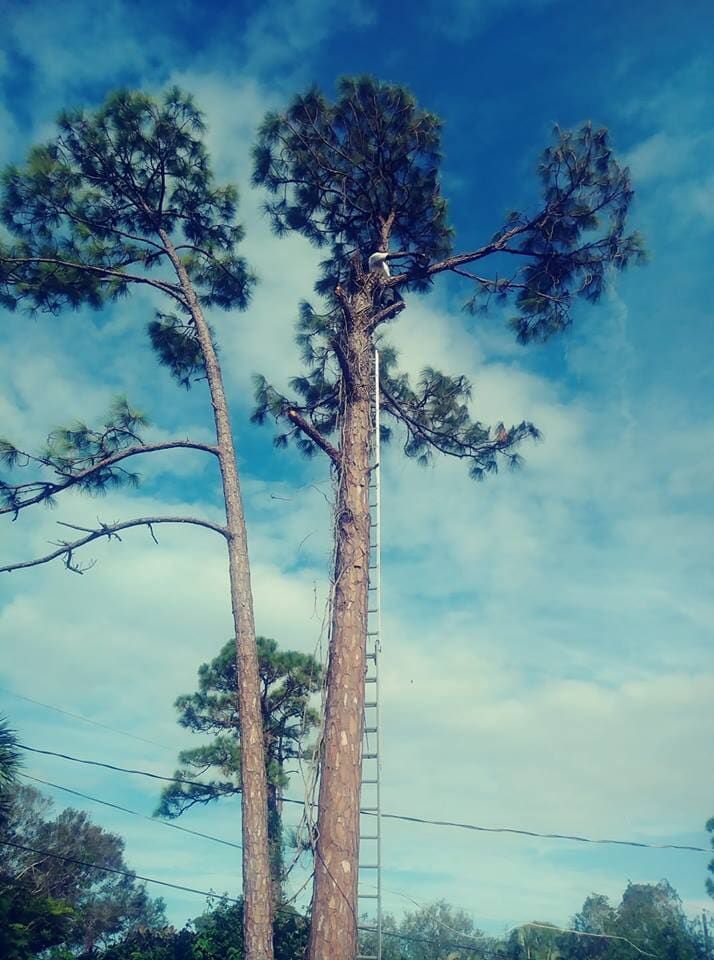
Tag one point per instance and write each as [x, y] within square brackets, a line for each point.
[710, 880]
[9, 766]
[122, 198]
[287, 682]
[534, 941]
[598, 917]
[649, 919]
[47, 857]
[360, 178]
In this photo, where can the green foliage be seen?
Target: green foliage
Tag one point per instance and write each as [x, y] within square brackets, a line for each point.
[98, 207]
[433, 415]
[30, 924]
[71, 454]
[175, 344]
[9, 767]
[219, 933]
[436, 417]
[571, 244]
[161, 944]
[96, 906]
[349, 174]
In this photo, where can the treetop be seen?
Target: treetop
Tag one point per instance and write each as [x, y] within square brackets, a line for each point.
[111, 191]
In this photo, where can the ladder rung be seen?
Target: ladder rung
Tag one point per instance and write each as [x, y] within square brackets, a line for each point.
[370, 782]
[369, 866]
[370, 679]
[368, 896]
[370, 729]
[370, 756]
[373, 633]
[370, 704]
[370, 836]
[368, 956]
[371, 656]
[368, 809]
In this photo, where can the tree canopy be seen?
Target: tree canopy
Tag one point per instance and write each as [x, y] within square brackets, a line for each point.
[90, 212]
[47, 872]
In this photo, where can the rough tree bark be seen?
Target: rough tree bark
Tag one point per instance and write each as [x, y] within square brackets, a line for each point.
[257, 888]
[333, 932]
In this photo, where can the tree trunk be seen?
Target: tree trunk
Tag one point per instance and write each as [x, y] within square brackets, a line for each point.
[257, 909]
[275, 843]
[333, 931]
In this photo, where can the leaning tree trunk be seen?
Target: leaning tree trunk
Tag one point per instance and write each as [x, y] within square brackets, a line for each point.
[333, 931]
[257, 892]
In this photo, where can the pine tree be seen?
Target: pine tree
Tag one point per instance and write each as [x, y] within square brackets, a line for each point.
[288, 680]
[360, 178]
[119, 198]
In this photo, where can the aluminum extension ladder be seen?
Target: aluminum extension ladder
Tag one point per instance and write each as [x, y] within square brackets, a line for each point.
[369, 890]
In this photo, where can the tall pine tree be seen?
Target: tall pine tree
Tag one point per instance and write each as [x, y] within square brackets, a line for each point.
[360, 178]
[119, 198]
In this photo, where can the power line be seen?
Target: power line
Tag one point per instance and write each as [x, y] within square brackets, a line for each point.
[519, 926]
[79, 716]
[397, 816]
[216, 896]
[121, 873]
[135, 813]
[111, 766]
[545, 836]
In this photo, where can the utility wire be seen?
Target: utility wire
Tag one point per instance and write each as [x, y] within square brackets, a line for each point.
[460, 945]
[397, 816]
[545, 836]
[217, 896]
[111, 766]
[519, 926]
[134, 813]
[121, 873]
[79, 716]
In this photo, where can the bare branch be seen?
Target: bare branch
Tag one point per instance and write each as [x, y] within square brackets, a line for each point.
[51, 489]
[385, 314]
[314, 434]
[110, 531]
[497, 246]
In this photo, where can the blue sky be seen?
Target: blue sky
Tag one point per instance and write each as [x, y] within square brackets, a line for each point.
[547, 655]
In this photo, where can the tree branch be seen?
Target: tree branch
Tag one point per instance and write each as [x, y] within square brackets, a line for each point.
[384, 314]
[169, 288]
[314, 434]
[445, 443]
[497, 246]
[108, 530]
[51, 489]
